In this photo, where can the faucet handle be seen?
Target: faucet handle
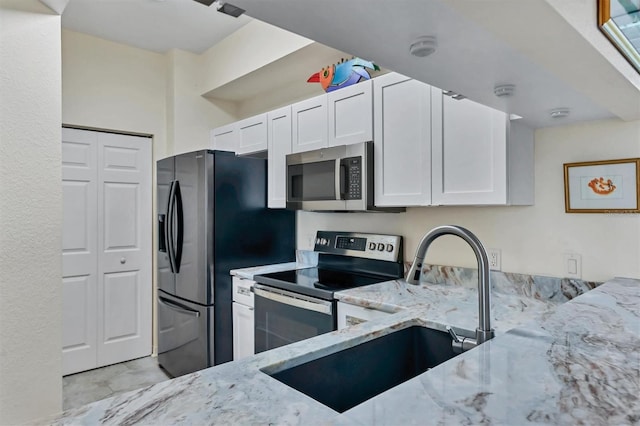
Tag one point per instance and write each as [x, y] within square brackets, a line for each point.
[460, 344]
[453, 334]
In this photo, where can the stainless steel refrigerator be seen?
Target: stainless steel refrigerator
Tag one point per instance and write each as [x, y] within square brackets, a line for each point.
[212, 217]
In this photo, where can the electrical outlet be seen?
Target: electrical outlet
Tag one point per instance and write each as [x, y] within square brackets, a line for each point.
[495, 261]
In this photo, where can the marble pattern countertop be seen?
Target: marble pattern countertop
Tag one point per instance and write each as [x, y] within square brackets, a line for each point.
[571, 363]
[304, 259]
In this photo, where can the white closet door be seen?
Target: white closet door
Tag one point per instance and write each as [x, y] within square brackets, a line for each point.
[106, 249]
[124, 248]
[79, 250]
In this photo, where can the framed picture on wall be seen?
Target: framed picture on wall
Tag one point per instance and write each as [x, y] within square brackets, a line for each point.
[610, 186]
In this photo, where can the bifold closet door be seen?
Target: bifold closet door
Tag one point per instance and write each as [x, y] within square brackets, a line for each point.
[107, 290]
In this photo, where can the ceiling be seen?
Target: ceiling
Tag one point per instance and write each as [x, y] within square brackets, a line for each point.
[156, 25]
[551, 50]
[480, 44]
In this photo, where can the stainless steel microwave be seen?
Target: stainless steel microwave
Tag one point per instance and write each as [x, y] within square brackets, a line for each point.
[339, 178]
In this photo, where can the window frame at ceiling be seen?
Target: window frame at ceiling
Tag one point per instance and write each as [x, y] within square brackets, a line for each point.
[615, 35]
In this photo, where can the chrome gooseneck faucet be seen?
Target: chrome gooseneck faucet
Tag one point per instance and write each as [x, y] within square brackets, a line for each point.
[484, 331]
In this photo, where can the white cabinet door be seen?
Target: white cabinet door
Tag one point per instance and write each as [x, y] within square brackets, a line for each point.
[106, 248]
[402, 142]
[351, 114]
[279, 143]
[243, 333]
[349, 315]
[469, 153]
[243, 318]
[309, 124]
[225, 138]
[252, 134]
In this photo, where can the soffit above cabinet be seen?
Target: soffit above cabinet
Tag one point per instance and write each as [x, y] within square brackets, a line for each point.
[288, 75]
[479, 45]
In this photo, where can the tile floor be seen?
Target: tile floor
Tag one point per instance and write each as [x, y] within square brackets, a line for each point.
[93, 385]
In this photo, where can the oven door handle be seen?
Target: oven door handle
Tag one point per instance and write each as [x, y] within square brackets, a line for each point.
[296, 300]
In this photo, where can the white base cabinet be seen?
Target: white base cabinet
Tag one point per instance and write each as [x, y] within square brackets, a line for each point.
[243, 318]
[349, 315]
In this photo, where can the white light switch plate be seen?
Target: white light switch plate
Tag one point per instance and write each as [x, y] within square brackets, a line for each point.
[573, 265]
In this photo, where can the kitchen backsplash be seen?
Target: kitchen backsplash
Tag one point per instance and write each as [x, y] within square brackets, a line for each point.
[539, 287]
[307, 257]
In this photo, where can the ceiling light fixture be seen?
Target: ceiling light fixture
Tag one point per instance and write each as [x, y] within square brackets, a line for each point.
[231, 10]
[559, 112]
[222, 7]
[423, 46]
[504, 90]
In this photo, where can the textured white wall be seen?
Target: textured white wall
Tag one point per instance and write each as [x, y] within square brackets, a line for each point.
[190, 116]
[30, 212]
[533, 239]
[251, 47]
[111, 86]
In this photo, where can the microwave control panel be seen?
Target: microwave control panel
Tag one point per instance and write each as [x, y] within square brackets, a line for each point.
[353, 178]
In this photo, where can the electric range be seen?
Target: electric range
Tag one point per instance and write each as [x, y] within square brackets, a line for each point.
[297, 304]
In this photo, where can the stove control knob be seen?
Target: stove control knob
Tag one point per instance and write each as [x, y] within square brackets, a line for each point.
[372, 246]
[325, 241]
[380, 247]
[389, 247]
[318, 241]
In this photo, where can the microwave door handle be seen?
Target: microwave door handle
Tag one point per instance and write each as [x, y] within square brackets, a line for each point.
[343, 181]
[339, 180]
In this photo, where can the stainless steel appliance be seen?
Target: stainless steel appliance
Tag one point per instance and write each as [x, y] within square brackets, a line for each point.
[339, 178]
[298, 304]
[212, 218]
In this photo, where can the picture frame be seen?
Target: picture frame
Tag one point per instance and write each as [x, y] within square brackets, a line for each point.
[610, 186]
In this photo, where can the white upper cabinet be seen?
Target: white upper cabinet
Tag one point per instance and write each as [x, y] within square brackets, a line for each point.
[309, 124]
[252, 134]
[279, 145]
[242, 137]
[479, 158]
[402, 142]
[225, 138]
[351, 114]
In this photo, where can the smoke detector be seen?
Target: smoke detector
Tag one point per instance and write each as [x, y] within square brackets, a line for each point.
[559, 112]
[423, 46]
[504, 90]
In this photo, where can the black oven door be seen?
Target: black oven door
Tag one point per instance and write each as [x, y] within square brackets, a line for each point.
[283, 317]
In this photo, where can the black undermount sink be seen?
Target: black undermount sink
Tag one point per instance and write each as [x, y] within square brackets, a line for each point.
[346, 378]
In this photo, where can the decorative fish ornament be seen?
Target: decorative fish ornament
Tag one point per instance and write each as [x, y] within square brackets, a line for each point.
[343, 74]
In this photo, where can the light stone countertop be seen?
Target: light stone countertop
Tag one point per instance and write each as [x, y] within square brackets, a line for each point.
[304, 259]
[565, 364]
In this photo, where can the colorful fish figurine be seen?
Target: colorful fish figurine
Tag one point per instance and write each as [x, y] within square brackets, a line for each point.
[343, 74]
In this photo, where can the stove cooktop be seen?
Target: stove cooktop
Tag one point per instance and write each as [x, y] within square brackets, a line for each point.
[317, 282]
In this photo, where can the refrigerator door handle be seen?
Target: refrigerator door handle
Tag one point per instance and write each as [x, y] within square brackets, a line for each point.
[162, 235]
[169, 228]
[178, 307]
[180, 234]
